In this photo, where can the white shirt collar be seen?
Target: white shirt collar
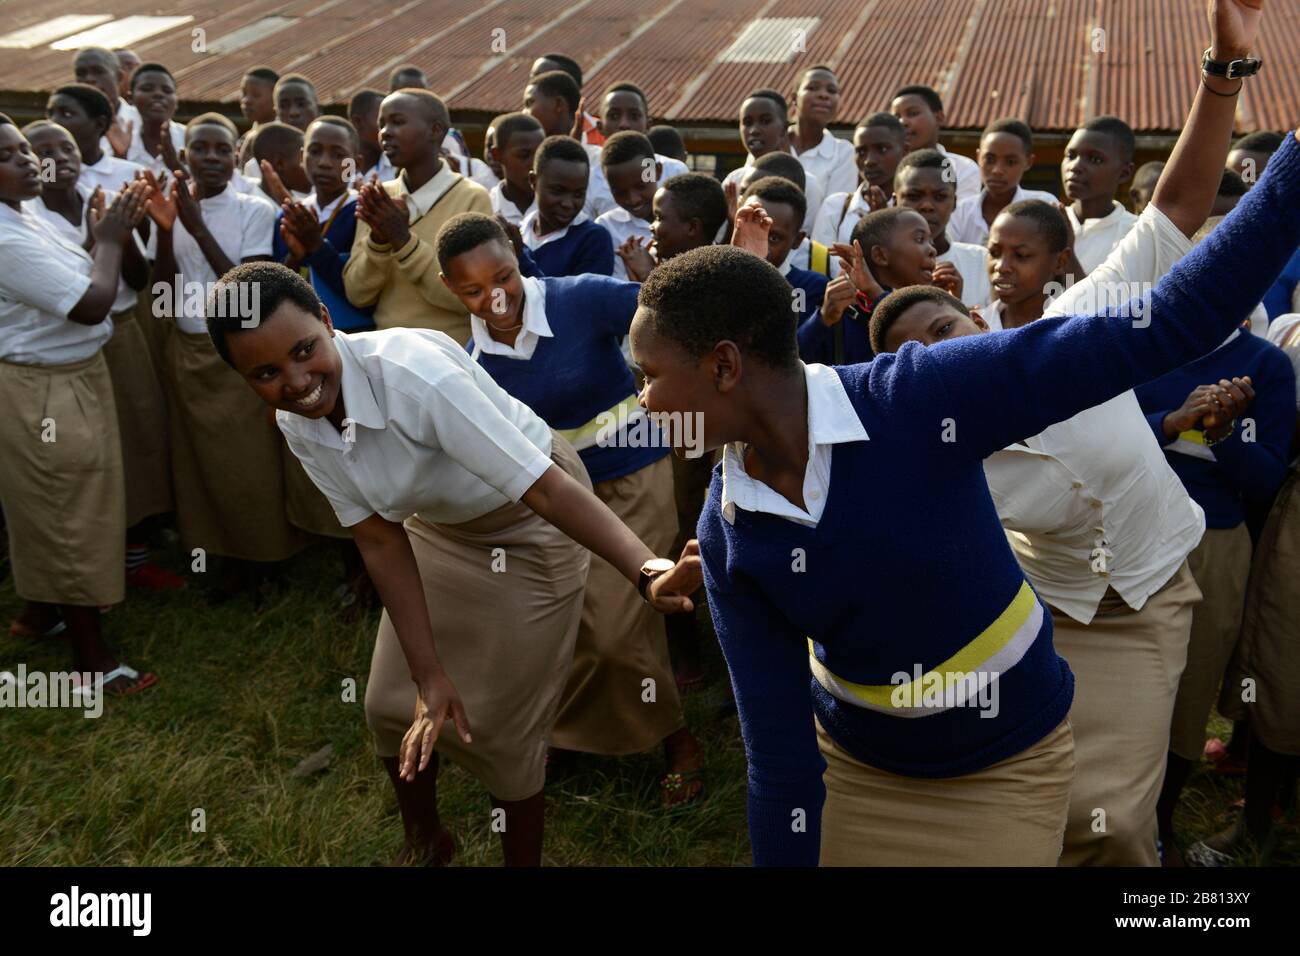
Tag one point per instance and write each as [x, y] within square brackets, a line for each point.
[421, 201]
[534, 326]
[359, 403]
[1113, 217]
[528, 228]
[324, 213]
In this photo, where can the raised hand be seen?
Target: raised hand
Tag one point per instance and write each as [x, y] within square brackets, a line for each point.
[876, 199]
[840, 293]
[159, 206]
[304, 225]
[114, 224]
[187, 204]
[947, 278]
[1228, 400]
[119, 137]
[751, 228]
[1234, 25]
[636, 257]
[854, 265]
[579, 120]
[167, 152]
[387, 217]
[732, 192]
[272, 185]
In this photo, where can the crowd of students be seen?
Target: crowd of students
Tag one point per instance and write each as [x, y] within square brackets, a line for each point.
[977, 598]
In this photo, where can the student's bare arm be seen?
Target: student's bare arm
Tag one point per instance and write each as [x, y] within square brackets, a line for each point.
[587, 520]
[1187, 186]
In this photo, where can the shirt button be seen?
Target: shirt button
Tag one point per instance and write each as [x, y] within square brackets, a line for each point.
[814, 496]
[1095, 503]
[1076, 484]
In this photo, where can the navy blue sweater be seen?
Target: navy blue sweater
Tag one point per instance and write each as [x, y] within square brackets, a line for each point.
[813, 286]
[578, 374]
[909, 566]
[585, 249]
[1250, 464]
[326, 265]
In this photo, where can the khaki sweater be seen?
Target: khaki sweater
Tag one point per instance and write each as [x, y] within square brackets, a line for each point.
[403, 284]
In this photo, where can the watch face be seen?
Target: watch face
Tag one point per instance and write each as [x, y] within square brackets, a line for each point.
[657, 565]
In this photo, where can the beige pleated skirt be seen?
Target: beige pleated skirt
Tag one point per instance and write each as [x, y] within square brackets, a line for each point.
[308, 510]
[141, 419]
[61, 484]
[1266, 666]
[227, 468]
[1221, 566]
[1010, 814]
[621, 697]
[156, 329]
[1126, 665]
[505, 597]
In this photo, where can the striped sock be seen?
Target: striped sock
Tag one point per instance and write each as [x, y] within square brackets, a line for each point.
[136, 557]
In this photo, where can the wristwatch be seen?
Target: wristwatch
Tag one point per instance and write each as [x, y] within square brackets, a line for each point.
[649, 571]
[1230, 69]
[1210, 442]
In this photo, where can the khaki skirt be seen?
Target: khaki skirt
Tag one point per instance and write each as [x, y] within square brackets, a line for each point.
[141, 420]
[227, 467]
[1266, 666]
[61, 483]
[505, 596]
[621, 697]
[1010, 814]
[1127, 665]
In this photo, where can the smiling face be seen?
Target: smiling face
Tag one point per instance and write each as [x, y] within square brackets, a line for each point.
[676, 383]
[257, 99]
[155, 96]
[1003, 161]
[623, 110]
[295, 104]
[290, 360]
[877, 150]
[928, 193]
[328, 159]
[930, 323]
[20, 172]
[818, 98]
[56, 150]
[210, 153]
[1021, 262]
[632, 186]
[516, 157]
[921, 124]
[762, 126]
[486, 279]
[101, 70]
[68, 112]
[674, 232]
[560, 189]
[1091, 167]
[407, 133]
[908, 257]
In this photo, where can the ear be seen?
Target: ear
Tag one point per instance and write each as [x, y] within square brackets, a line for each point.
[878, 256]
[941, 118]
[325, 317]
[726, 360]
[1029, 161]
[1062, 259]
[798, 238]
[447, 282]
[1126, 173]
[978, 318]
[659, 170]
[532, 178]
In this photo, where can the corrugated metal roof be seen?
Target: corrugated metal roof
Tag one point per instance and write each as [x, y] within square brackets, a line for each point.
[1051, 62]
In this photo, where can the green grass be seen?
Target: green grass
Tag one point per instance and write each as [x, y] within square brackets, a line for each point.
[245, 695]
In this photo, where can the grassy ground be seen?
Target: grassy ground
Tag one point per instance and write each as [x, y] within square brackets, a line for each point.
[245, 695]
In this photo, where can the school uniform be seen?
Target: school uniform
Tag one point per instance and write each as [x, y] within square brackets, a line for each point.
[579, 248]
[832, 162]
[1267, 652]
[838, 214]
[126, 114]
[814, 192]
[136, 153]
[972, 263]
[1279, 299]
[440, 447]
[815, 258]
[138, 397]
[967, 172]
[599, 198]
[110, 174]
[621, 225]
[848, 342]
[61, 487]
[567, 367]
[1095, 238]
[967, 222]
[226, 458]
[502, 206]
[779, 626]
[1249, 465]
[402, 285]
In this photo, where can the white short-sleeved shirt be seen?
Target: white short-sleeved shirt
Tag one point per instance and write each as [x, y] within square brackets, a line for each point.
[502, 206]
[126, 296]
[621, 224]
[432, 433]
[814, 193]
[1095, 238]
[973, 264]
[109, 174]
[1091, 502]
[44, 277]
[967, 171]
[599, 198]
[383, 169]
[136, 153]
[833, 164]
[243, 226]
[967, 222]
[834, 223]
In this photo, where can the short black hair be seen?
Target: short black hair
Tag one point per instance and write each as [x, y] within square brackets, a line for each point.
[875, 228]
[927, 159]
[1050, 220]
[715, 293]
[769, 94]
[558, 83]
[263, 73]
[564, 148]
[699, 196]
[213, 119]
[625, 87]
[35, 126]
[784, 165]
[1263, 141]
[779, 189]
[507, 124]
[624, 147]
[296, 78]
[885, 121]
[1148, 174]
[275, 285]
[1017, 128]
[567, 63]
[819, 67]
[275, 139]
[6, 121]
[667, 141]
[927, 93]
[435, 108]
[1117, 130]
[363, 101]
[91, 98]
[1231, 184]
[340, 123]
[893, 306]
[408, 68]
[99, 51]
[464, 232]
[150, 68]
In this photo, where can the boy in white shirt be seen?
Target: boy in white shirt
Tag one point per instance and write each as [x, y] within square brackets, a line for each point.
[923, 182]
[634, 172]
[1005, 154]
[1097, 161]
[99, 67]
[623, 108]
[516, 138]
[825, 156]
[878, 145]
[156, 136]
[920, 110]
[363, 111]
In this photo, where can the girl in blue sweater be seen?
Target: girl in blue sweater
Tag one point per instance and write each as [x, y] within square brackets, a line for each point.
[939, 702]
[563, 240]
[553, 344]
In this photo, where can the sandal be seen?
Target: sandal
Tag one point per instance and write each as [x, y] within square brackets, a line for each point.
[679, 787]
[136, 682]
[19, 629]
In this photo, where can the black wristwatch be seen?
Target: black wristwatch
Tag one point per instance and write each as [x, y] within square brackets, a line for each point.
[649, 571]
[1230, 69]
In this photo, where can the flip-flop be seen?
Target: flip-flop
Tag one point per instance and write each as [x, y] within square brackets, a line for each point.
[138, 683]
[19, 629]
[680, 781]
